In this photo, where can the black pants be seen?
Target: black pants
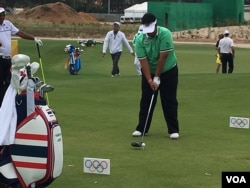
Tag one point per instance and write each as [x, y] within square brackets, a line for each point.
[227, 59]
[115, 58]
[5, 76]
[168, 94]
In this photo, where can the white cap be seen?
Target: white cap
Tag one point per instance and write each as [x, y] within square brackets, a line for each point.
[149, 28]
[2, 9]
[226, 32]
[116, 23]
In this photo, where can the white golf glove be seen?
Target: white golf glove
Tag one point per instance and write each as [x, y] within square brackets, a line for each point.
[38, 41]
[157, 80]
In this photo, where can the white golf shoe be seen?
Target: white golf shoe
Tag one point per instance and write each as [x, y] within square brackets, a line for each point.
[136, 133]
[174, 135]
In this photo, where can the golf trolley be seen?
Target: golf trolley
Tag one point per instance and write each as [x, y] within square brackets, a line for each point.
[74, 63]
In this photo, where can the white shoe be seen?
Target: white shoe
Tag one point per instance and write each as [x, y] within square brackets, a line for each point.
[136, 133]
[174, 135]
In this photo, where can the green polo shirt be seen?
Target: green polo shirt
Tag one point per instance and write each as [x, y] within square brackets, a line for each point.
[150, 48]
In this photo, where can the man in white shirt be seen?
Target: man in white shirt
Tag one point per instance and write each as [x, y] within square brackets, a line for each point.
[115, 40]
[227, 53]
[7, 29]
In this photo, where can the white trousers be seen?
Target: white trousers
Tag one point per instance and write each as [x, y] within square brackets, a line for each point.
[137, 66]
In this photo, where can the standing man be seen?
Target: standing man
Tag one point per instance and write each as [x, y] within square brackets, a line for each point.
[155, 50]
[227, 53]
[115, 40]
[6, 30]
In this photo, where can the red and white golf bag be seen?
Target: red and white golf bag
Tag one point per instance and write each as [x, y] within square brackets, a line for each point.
[35, 158]
[37, 153]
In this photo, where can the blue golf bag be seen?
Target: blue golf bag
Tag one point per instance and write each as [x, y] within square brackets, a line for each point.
[74, 63]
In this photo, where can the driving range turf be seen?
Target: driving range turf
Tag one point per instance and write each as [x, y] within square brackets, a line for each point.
[98, 114]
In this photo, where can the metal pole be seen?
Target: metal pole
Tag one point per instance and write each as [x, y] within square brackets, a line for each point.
[108, 6]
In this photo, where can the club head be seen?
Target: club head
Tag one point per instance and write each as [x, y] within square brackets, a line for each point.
[138, 144]
[47, 88]
[39, 84]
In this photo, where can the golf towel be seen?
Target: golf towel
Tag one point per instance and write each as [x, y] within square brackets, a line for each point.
[8, 117]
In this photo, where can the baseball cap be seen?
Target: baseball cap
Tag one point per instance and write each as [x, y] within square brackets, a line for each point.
[226, 32]
[116, 23]
[2, 9]
[148, 22]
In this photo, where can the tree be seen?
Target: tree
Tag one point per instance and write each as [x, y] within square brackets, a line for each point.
[9, 3]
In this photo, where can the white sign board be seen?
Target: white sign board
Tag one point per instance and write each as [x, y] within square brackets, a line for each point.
[239, 122]
[96, 166]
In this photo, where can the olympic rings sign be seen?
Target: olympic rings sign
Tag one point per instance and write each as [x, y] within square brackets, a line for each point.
[97, 166]
[239, 122]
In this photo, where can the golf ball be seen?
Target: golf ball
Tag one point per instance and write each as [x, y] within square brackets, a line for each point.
[143, 144]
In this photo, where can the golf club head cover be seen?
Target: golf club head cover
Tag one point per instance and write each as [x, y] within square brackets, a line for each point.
[23, 75]
[18, 61]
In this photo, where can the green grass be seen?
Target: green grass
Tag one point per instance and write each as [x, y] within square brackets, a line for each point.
[98, 113]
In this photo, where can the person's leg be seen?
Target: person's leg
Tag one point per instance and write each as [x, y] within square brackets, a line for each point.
[5, 76]
[168, 94]
[144, 106]
[1, 83]
[116, 58]
[113, 65]
[224, 63]
[137, 66]
[218, 68]
[230, 63]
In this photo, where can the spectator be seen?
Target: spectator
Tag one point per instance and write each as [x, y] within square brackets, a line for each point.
[115, 40]
[136, 60]
[227, 53]
[8, 29]
[218, 60]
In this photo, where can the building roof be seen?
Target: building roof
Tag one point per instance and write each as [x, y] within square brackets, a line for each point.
[143, 7]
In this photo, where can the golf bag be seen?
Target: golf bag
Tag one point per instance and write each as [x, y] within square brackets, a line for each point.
[89, 42]
[37, 153]
[35, 158]
[74, 63]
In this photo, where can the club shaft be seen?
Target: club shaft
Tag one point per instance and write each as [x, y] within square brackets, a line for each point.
[146, 122]
[41, 65]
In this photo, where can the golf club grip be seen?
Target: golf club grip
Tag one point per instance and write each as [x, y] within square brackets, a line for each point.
[38, 50]
[28, 69]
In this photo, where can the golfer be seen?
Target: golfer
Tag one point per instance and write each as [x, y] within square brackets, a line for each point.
[6, 30]
[115, 40]
[155, 51]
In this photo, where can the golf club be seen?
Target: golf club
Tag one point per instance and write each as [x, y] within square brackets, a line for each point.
[41, 65]
[141, 144]
[44, 89]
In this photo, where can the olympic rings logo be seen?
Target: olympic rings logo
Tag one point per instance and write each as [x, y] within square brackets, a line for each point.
[239, 122]
[96, 165]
